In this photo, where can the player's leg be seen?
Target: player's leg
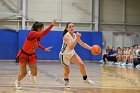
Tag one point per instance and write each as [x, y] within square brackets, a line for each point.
[33, 68]
[77, 60]
[66, 76]
[33, 72]
[22, 74]
[65, 63]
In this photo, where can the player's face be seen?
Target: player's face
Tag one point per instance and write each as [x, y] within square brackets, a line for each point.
[70, 28]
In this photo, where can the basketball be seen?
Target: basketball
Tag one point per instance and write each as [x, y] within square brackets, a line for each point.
[95, 50]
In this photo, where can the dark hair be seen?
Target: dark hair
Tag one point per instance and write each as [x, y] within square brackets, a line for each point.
[37, 25]
[65, 31]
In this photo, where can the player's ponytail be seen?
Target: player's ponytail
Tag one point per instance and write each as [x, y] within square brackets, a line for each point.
[65, 31]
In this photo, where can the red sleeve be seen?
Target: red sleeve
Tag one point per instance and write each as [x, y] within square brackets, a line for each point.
[41, 47]
[34, 34]
[47, 30]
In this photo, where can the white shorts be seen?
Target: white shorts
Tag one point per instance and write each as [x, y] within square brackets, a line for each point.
[65, 59]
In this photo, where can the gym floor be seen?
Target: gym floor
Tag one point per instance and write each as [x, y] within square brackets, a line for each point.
[107, 78]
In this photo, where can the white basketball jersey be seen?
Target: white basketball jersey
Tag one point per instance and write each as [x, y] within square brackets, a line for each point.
[65, 49]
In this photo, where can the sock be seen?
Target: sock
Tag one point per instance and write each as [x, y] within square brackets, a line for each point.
[66, 79]
[85, 77]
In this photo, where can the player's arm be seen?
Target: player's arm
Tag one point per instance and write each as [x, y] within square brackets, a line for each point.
[67, 40]
[45, 49]
[41, 47]
[34, 34]
[49, 28]
[48, 48]
[84, 44]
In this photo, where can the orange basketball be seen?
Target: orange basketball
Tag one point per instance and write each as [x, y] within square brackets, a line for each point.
[96, 50]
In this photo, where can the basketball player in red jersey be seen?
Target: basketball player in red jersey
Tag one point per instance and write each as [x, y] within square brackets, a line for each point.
[27, 53]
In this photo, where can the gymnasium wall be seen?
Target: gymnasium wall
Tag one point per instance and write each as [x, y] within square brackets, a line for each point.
[12, 41]
[112, 15]
[66, 10]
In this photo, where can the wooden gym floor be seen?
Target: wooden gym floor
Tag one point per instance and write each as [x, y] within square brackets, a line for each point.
[108, 79]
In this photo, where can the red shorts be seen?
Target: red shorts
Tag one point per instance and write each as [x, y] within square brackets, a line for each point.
[25, 58]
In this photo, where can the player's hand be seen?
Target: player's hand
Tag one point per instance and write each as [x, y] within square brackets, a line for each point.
[48, 48]
[78, 35]
[54, 21]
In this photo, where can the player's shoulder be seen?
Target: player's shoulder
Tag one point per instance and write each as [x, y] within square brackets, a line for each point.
[33, 31]
[66, 36]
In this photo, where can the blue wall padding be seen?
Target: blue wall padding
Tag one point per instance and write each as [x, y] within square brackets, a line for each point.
[8, 44]
[13, 41]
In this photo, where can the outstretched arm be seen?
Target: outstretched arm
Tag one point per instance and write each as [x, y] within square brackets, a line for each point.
[48, 48]
[84, 44]
[45, 32]
[41, 47]
[34, 34]
[49, 28]
[45, 49]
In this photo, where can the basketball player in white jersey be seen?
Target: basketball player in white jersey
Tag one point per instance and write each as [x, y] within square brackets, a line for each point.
[68, 54]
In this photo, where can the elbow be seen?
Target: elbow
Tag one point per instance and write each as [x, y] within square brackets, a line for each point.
[71, 47]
